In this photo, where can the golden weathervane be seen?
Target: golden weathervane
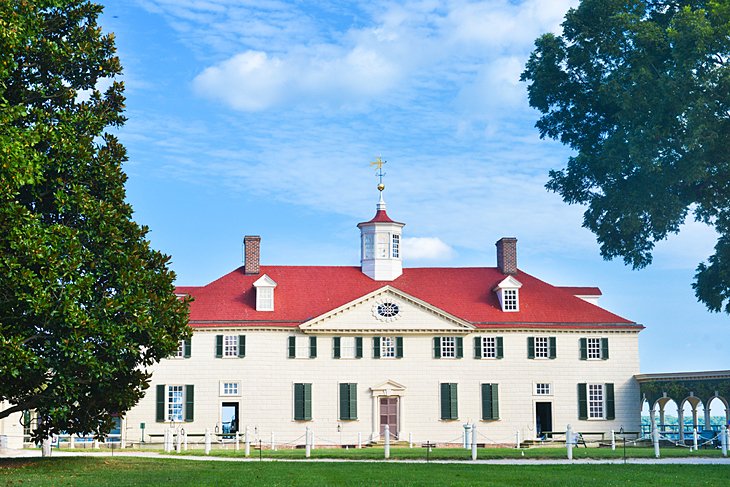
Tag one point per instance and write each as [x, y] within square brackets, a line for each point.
[378, 163]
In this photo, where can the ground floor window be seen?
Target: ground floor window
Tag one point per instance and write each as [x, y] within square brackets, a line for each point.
[175, 402]
[596, 401]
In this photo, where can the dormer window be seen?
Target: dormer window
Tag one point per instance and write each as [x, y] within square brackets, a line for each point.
[508, 293]
[264, 293]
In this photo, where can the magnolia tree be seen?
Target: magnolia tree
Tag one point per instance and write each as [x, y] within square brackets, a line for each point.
[86, 305]
[640, 90]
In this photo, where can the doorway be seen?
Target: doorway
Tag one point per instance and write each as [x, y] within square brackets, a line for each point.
[389, 416]
[543, 417]
[229, 417]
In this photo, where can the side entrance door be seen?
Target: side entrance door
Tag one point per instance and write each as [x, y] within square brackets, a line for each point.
[389, 416]
[543, 417]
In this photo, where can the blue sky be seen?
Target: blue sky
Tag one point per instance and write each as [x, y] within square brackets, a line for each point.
[261, 116]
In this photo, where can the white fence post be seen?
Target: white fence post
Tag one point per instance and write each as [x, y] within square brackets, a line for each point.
[185, 440]
[613, 440]
[178, 442]
[165, 441]
[207, 441]
[46, 447]
[410, 440]
[569, 441]
[273, 442]
[694, 438]
[474, 441]
[247, 444]
[307, 446]
[359, 439]
[238, 440]
[517, 439]
[387, 442]
[655, 434]
[723, 440]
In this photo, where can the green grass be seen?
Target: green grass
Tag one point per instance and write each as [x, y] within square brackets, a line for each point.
[102, 471]
[376, 453]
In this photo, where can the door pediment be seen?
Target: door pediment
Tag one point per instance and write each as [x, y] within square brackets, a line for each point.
[388, 388]
[387, 310]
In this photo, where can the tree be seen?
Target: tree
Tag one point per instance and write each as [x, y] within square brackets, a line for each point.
[86, 305]
[640, 90]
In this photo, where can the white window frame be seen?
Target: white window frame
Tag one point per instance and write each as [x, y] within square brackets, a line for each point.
[489, 347]
[542, 347]
[230, 388]
[388, 347]
[596, 398]
[175, 403]
[348, 347]
[265, 298]
[395, 246]
[230, 346]
[448, 347]
[510, 300]
[543, 389]
[593, 348]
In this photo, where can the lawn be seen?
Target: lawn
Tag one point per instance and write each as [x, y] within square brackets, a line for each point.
[101, 471]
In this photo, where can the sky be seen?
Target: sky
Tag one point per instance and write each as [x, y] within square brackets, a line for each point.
[260, 117]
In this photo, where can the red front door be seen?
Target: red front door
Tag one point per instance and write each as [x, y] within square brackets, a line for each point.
[389, 416]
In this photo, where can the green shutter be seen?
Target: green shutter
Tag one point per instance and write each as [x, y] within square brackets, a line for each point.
[487, 401]
[459, 347]
[437, 347]
[610, 403]
[187, 347]
[189, 402]
[241, 346]
[358, 347]
[160, 417]
[336, 347]
[530, 347]
[500, 347]
[376, 347]
[453, 402]
[604, 348]
[495, 401]
[312, 347]
[477, 347]
[218, 346]
[344, 401]
[353, 401]
[582, 401]
[553, 347]
[398, 347]
[584, 349]
[307, 401]
[292, 347]
[445, 401]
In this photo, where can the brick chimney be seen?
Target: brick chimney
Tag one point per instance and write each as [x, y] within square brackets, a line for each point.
[507, 255]
[251, 254]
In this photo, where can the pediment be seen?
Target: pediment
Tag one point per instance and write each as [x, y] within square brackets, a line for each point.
[508, 282]
[388, 388]
[264, 281]
[386, 310]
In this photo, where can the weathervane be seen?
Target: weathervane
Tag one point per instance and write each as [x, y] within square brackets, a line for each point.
[378, 163]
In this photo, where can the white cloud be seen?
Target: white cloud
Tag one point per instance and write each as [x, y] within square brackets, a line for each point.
[426, 248]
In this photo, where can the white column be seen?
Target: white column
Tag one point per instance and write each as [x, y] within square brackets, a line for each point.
[473, 441]
[569, 441]
[307, 446]
[613, 440]
[207, 441]
[376, 419]
[680, 420]
[247, 444]
[386, 433]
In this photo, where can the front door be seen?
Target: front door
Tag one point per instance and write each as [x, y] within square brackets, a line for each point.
[389, 416]
[229, 417]
[543, 417]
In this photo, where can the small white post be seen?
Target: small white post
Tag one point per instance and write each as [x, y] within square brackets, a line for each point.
[517, 439]
[723, 440]
[71, 441]
[694, 438]
[359, 439]
[46, 447]
[307, 446]
[569, 441]
[467, 436]
[613, 440]
[474, 442]
[207, 441]
[185, 440]
[273, 442]
[410, 440]
[655, 435]
[238, 441]
[95, 444]
[178, 443]
[387, 442]
[165, 441]
[247, 444]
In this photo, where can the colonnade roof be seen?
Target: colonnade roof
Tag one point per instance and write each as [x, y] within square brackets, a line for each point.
[678, 386]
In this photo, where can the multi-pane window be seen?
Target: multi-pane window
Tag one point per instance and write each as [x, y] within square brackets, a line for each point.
[180, 349]
[383, 244]
[367, 246]
[387, 347]
[265, 298]
[448, 347]
[174, 403]
[543, 389]
[230, 345]
[594, 348]
[542, 347]
[595, 401]
[302, 347]
[489, 347]
[230, 388]
[396, 246]
[348, 347]
[509, 300]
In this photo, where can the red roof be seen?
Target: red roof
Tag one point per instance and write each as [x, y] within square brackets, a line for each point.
[380, 217]
[582, 291]
[305, 292]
